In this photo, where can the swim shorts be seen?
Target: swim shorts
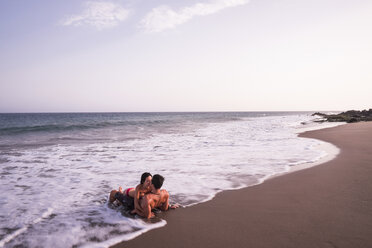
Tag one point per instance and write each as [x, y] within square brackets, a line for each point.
[127, 201]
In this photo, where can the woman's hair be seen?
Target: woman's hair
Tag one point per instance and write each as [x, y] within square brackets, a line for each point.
[144, 176]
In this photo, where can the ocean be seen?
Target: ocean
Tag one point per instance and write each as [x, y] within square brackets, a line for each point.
[57, 169]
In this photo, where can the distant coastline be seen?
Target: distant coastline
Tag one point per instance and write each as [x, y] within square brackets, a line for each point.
[349, 116]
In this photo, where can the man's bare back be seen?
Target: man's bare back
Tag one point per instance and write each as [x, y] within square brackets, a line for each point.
[159, 199]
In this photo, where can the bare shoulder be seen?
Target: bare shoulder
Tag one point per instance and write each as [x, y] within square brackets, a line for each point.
[164, 195]
[164, 192]
[147, 199]
[138, 187]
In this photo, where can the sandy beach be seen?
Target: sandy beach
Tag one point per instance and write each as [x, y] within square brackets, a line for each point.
[329, 205]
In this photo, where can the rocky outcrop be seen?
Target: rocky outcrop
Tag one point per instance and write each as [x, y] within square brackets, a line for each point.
[348, 116]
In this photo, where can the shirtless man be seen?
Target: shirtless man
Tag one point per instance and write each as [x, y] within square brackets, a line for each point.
[157, 198]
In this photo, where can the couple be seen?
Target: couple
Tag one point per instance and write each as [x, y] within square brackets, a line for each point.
[145, 197]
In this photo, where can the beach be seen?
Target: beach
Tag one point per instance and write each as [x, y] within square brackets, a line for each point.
[329, 205]
[50, 162]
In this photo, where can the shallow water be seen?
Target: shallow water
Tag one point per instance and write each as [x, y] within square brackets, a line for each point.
[56, 169]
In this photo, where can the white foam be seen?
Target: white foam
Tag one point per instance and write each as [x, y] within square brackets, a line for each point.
[11, 236]
[23, 229]
[144, 228]
[310, 126]
[330, 152]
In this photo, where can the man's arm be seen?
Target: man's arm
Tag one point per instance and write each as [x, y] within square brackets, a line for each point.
[147, 212]
[145, 208]
[136, 198]
[165, 205]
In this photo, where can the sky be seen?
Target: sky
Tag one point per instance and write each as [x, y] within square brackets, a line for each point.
[185, 55]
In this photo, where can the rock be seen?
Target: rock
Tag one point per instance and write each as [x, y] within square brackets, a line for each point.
[348, 116]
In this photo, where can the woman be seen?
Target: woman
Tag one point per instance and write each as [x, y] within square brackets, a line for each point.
[130, 197]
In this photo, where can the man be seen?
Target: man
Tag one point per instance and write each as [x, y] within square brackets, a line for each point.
[157, 198]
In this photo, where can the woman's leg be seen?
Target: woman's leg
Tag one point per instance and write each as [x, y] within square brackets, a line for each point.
[113, 192]
[112, 196]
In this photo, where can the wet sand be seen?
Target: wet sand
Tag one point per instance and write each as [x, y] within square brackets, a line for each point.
[329, 205]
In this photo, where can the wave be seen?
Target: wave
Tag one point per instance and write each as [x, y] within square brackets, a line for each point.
[76, 127]
[13, 124]
[11, 236]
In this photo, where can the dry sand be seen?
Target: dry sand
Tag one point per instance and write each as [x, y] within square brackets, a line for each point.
[329, 205]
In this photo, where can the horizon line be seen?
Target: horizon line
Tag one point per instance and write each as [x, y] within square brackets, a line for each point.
[207, 111]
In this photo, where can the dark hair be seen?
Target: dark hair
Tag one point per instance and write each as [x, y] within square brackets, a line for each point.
[144, 176]
[157, 181]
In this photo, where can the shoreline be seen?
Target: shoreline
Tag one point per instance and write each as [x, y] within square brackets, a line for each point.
[307, 208]
[332, 152]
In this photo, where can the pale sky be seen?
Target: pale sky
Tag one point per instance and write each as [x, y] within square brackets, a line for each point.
[190, 55]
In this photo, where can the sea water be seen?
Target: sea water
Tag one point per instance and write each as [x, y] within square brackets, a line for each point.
[57, 170]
